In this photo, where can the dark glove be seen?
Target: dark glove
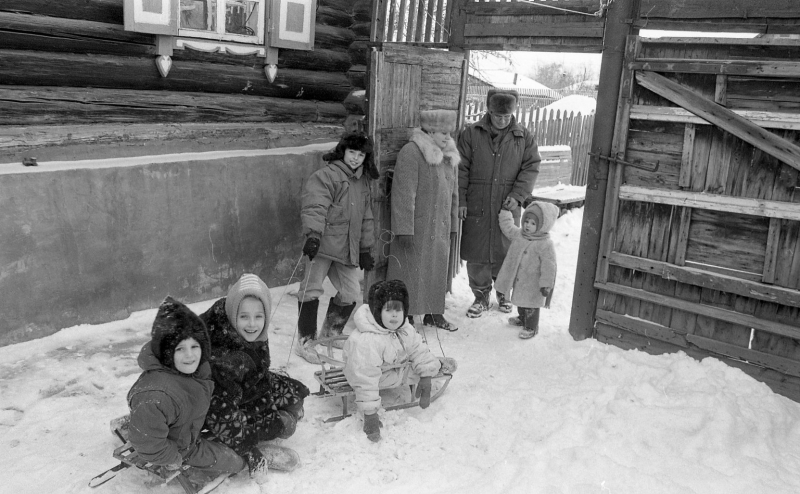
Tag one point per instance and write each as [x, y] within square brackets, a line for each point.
[372, 427]
[311, 247]
[545, 291]
[405, 241]
[424, 392]
[366, 261]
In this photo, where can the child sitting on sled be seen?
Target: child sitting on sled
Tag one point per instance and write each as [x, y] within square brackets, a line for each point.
[529, 269]
[384, 338]
[168, 402]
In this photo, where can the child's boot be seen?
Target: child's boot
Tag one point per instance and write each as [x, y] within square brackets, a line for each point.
[335, 320]
[372, 427]
[531, 327]
[480, 305]
[438, 321]
[503, 304]
[257, 465]
[307, 327]
[518, 320]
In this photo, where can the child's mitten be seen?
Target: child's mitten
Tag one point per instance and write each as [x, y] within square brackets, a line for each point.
[366, 261]
[311, 247]
[449, 365]
[424, 392]
[372, 427]
[545, 291]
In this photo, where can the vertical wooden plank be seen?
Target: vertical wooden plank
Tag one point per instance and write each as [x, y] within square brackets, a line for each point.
[455, 23]
[771, 257]
[391, 21]
[591, 253]
[658, 249]
[377, 28]
[402, 22]
[721, 90]
[440, 21]
[685, 178]
[683, 236]
[429, 21]
[375, 121]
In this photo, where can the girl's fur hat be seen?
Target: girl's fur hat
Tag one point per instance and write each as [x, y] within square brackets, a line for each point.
[249, 285]
[174, 323]
[438, 120]
[357, 141]
[384, 291]
[503, 101]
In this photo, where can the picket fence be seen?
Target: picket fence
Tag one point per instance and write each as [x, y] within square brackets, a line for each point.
[553, 127]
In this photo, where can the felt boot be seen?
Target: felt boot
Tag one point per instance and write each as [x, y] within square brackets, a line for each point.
[307, 329]
[531, 327]
[335, 320]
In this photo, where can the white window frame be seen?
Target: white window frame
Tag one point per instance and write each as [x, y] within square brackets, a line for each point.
[220, 34]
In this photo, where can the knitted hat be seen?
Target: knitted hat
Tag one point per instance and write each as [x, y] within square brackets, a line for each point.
[384, 291]
[503, 101]
[536, 211]
[438, 120]
[174, 323]
[248, 285]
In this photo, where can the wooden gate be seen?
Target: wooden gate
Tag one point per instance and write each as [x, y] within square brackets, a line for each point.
[403, 80]
[700, 248]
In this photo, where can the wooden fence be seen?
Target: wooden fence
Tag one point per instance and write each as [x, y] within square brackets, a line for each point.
[551, 128]
[414, 21]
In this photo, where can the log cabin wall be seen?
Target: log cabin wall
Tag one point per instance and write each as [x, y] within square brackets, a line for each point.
[117, 214]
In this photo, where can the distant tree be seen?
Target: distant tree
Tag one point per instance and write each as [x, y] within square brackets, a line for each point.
[556, 75]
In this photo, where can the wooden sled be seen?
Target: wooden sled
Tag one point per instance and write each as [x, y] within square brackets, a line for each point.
[333, 383]
[127, 455]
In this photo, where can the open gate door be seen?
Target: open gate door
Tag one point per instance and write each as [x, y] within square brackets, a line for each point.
[403, 80]
[700, 245]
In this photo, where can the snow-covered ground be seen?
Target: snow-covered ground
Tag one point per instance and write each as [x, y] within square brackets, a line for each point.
[548, 415]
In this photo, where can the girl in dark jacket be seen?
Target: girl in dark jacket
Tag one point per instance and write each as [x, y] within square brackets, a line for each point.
[250, 403]
[169, 401]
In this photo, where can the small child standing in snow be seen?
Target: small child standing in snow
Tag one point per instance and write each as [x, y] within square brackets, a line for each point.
[529, 269]
[169, 401]
[382, 341]
[337, 222]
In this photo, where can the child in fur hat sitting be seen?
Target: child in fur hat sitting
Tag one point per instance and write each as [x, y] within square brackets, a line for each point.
[168, 402]
[375, 351]
[529, 269]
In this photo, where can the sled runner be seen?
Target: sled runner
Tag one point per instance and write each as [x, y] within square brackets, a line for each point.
[333, 383]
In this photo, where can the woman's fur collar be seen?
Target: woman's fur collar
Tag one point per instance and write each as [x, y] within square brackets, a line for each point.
[432, 153]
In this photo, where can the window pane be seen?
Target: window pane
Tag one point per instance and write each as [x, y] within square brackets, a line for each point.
[199, 14]
[241, 17]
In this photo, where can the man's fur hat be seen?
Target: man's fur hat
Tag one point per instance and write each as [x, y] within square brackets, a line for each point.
[503, 101]
[438, 120]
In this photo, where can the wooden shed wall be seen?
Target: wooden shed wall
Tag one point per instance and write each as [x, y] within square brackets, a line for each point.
[704, 252]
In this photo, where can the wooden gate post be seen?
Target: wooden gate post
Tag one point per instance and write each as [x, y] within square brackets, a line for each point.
[584, 297]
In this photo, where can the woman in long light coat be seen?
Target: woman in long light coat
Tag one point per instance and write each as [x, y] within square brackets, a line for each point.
[424, 203]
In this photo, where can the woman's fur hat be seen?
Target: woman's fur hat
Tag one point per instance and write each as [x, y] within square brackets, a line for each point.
[384, 291]
[249, 285]
[357, 141]
[438, 120]
[174, 323]
[503, 101]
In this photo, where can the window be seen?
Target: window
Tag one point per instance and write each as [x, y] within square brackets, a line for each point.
[230, 20]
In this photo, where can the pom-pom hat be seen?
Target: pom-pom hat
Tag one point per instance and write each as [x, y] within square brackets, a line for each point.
[252, 286]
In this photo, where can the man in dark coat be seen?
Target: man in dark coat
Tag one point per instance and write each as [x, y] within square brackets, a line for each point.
[498, 169]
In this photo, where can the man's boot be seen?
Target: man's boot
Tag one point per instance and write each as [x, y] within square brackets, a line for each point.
[481, 303]
[307, 329]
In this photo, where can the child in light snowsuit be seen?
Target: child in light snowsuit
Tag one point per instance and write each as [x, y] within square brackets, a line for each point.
[529, 269]
[250, 403]
[168, 402]
[382, 341]
[338, 225]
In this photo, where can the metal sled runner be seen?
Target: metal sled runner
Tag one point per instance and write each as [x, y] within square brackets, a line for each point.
[333, 383]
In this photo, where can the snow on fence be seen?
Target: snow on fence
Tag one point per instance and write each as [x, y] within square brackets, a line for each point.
[551, 128]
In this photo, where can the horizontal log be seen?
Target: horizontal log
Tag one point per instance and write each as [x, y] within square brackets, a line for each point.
[81, 142]
[333, 17]
[642, 327]
[541, 7]
[726, 67]
[709, 9]
[108, 11]
[396, 53]
[31, 105]
[728, 25]
[765, 119]
[527, 29]
[333, 37]
[570, 45]
[703, 278]
[712, 202]
[51, 69]
[776, 146]
[780, 364]
[701, 309]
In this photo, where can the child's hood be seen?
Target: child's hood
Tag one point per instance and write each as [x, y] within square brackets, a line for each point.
[175, 322]
[545, 213]
[149, 362]
[366, 323]
[249, 285]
